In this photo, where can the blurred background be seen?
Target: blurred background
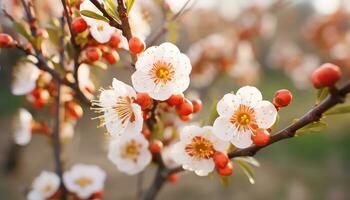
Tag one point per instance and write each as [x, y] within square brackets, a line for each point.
[265, 43]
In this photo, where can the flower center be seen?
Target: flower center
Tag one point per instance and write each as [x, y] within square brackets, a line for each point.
[200, 148]
[47, 188]
[100, 28]
[244, 118]
[124, 109]
[162, 72]
[83, 181]
[132, 150]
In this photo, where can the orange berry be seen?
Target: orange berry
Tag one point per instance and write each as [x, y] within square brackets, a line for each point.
[261, 137]
[197, 105]
[325, 76]
[6, 41]
[146, 133]
[186, 118]
[115, 40]
[220, 159]
[282, 98]
[226, 171]
[112, 57]
[175, 100]
[93, 54]
[172, 178]
[136, 45]
[144, 100]
[79, 25]
[185, 108]
[156, 146]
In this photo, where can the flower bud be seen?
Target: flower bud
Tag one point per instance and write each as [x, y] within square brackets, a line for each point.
[226, 171]
[326, 76]
[185, 108]
[282, 98]
[112, 57]
[79, 25]
[6, 41]
[136, 45]
[261, 137]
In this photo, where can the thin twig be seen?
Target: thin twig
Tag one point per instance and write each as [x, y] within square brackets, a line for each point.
[112, 21]
[163, 29]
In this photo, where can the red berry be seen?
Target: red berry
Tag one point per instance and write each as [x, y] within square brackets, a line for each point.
[172, 178]
[73, 110]
[136, 45]
[79, 25]
[185, 108]
[156, 146]
[175, 100]
[225, 171]
[144, 100]
[220, 159]
[146, 133]
[261, 137]
[282, 98]
[6, 41]
[186, 118]
[326, 76]
[112, 57]
[93, 54]
[197, 105]
[115, 40]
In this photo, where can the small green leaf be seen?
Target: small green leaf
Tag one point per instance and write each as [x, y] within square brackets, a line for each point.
[321, 94]
[172, 32]
[213, 113]
[339, 109]
[111, 10]
[250, 160]
[23, 29]
[246, 169]
[100, 64]
[129, 5]
[312, 128]
[93, 15]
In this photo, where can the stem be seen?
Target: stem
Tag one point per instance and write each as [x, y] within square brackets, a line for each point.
[157, 184]
[56, 140]
[139, 185]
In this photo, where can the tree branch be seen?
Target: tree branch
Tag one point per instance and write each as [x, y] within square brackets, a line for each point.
[313, 115]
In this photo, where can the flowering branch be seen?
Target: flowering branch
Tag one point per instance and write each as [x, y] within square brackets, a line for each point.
[311, 116]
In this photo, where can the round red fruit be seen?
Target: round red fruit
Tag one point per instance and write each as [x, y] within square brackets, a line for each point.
[186, 118]
[115, 40]
[185, 108]
[112, 57]
[79, 25]
[172, 178]
[326, 76]
[136, 45]
[93, 54]
[226, 171]
[175, 100]
[282, 98]
[6, 41]
[156, 146]
[261, 137]
[144, 100]
[197, 105]
[220, 159]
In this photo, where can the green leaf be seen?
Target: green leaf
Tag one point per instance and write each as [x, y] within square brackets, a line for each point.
[111, 10]
[246, 169]
[339, 109]
[312, 128]
[23, 29]
[100, 64]
[94, 15]
[129, 5]
[213, 113]
[250, 160]
[321, 94]
[172, 32]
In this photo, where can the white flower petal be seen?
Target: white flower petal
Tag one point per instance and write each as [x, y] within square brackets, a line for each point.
[249, 95]
[107, 99]
[142, 82]
[122, 89]
[265, 113]
[227, 105]
[242, 140]
[223, 128]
